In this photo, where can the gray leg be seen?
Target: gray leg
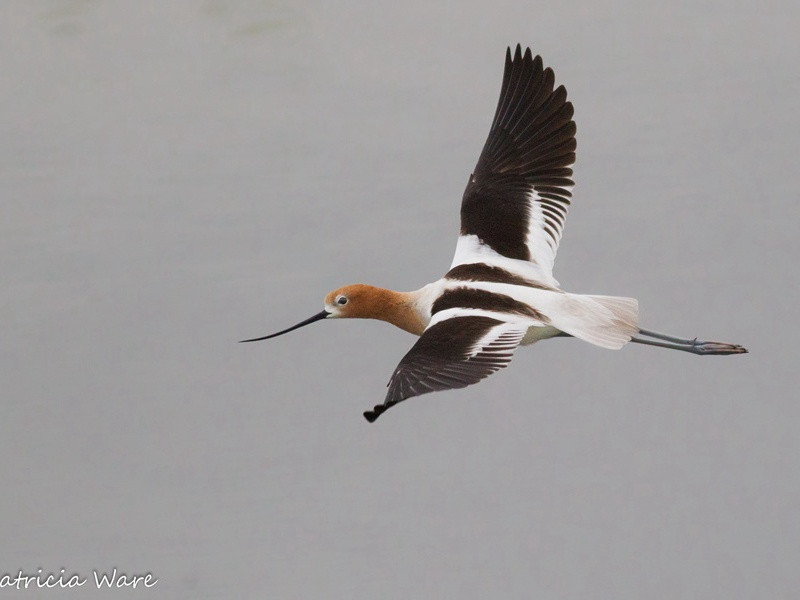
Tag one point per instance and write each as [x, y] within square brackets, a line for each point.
[667, 338]
[694, 346]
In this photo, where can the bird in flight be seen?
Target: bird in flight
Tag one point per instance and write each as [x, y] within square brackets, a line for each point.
[500, 292]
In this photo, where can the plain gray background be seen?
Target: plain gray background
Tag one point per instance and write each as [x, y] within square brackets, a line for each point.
[178, 176]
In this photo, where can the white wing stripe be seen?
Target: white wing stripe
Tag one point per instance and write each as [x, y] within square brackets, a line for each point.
[470, 249]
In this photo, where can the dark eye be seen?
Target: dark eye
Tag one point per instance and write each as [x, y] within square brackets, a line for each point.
[341, 300]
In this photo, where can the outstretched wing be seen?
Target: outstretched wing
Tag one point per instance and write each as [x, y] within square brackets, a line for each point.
[453, 352]
[516, 201]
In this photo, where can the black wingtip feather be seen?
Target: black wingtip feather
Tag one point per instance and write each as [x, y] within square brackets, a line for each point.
[531, 144]
[377, 411]
[444, 358]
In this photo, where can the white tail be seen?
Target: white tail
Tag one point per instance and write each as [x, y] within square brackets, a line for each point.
[606, 321]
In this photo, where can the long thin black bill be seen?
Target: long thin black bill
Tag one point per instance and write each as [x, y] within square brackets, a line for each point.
[316, 317]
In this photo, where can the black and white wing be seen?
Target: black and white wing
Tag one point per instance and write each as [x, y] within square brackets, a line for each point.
[455, 351]
[516, 201]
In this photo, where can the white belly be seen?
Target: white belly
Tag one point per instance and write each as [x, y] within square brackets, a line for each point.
[534, 334]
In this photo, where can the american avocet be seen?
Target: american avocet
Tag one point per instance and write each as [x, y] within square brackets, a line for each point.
[500, 292]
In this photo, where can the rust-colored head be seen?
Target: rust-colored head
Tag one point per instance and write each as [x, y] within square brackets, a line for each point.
[357, 301]
[360, 301]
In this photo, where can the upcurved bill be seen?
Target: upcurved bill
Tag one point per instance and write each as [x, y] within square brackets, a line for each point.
[316, 317]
